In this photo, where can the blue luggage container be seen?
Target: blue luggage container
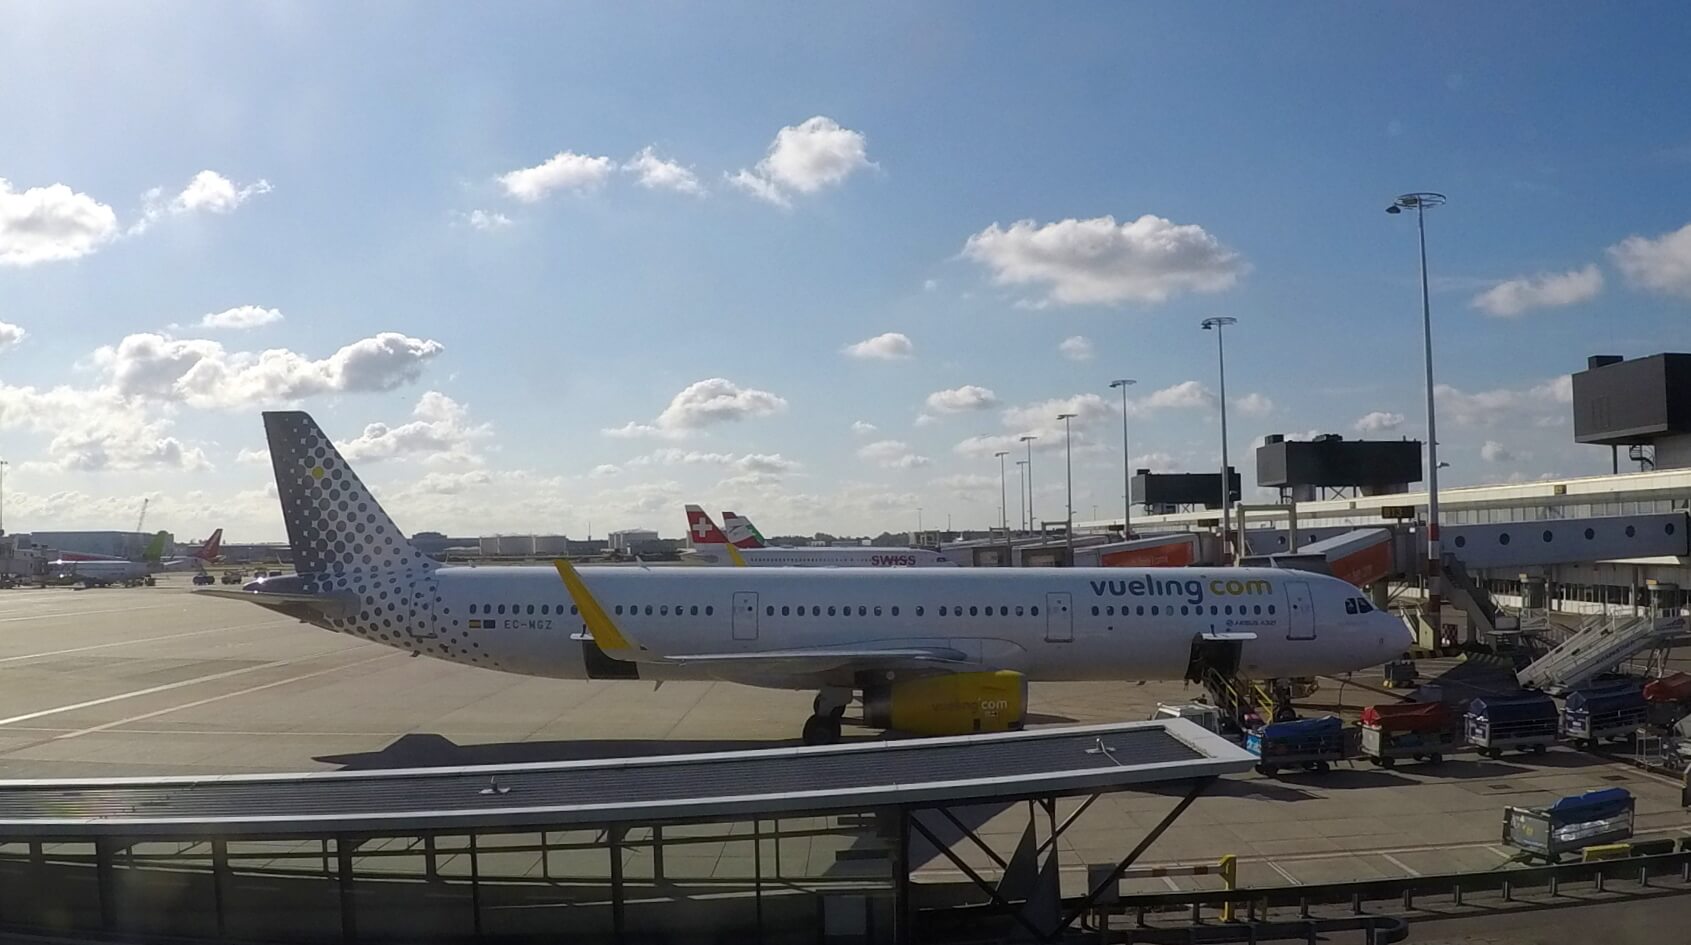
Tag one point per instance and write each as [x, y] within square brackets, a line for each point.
[1527, 720]
[1312, 744]
[1615, 711]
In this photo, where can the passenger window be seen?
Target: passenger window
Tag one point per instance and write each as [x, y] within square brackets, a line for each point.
[1183, 612]
[784, 610]
[1034, 610]
[1094, 610]
[974, 612]
[1003, 611]
[619, 610]
[895, 610]
[1153, 610]
[709, 610]
[877, 610]
[531, 609]
[1271, 608]
[472, 608]
[501, 608]
[648, 610]
[695, 610]
[1227, 610]
[942, 610]
[920, 610]
[1258, 608]
[1019, 610]
[1350, 605]
[830, 610]
[1140, 610]
[863, 611]
[545, 609]
[572, 610]
[663, 610]
[1213, 610]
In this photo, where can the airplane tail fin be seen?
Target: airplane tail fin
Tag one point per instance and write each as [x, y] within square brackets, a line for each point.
[155, 548]
[740, 530]
[701, 530]
[334, 523]
[212, 548]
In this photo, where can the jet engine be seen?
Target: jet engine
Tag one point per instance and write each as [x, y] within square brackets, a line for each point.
[954, 704]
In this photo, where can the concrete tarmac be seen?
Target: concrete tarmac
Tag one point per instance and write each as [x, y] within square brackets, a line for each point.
[119, 682]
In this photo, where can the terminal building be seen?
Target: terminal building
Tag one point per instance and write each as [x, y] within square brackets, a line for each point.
[115, 544]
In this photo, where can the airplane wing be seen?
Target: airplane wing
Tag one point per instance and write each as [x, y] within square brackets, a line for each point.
[822, 660]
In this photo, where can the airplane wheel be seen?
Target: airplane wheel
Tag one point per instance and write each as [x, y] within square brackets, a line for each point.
[821, 730]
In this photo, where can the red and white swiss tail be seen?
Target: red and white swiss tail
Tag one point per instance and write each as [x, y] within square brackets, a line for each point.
[701, 530]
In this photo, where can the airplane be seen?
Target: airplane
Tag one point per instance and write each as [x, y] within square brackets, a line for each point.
[931, 650]
[103, 571]
[712, 546]
[741, 531]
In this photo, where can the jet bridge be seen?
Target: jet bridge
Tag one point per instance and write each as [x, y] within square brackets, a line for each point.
[494, 852]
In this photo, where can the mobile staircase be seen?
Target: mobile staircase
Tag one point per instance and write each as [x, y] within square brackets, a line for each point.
[1602, 643]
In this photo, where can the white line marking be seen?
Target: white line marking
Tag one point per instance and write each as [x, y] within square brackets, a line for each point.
[167, 687]
[87, 613]
[228, 695]
[1502, 853]
[1288, 877]
[1171, 884]
[171, 636]
[1400, 864]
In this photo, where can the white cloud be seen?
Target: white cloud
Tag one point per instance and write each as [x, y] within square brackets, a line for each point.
[1181, 396]
[967, 485]
[1545, 290]
[1097, 261]
[241, 317]
[863, 427]
[764, 464]
[565, 170]
[962, 399]
[11, 335]
[1378, 421]
[1076, 348]
[484, 220]
[1155, 462]
[659, 174]
[1254, 405]
[892, 454]
[1032, 418]
[49, 224]
[702, 404]
[1661, 265]
[1500, 405]
[891, 346]
[803, 159]
[441, 433]
[1495, 452]
[928, 285]
[214, 193]
[202, 373]
[605, 471]
[251, 457]
[96, 430]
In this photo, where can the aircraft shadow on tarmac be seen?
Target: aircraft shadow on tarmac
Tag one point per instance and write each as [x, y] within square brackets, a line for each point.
[428, 750]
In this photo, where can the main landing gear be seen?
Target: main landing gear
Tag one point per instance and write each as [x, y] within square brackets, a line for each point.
[823, 728]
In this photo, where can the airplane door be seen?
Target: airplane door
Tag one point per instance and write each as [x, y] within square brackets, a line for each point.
[1300, 611]
[745, 615]
[1059, 618]
[420, 616]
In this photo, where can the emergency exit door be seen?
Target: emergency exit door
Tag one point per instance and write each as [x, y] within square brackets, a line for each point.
[1300, 611]
[745, 615]
[1059, 618]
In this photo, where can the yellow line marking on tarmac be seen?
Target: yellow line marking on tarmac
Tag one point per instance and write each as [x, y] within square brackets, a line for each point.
[169, 636]
[228, 695]
[167, 687]
[86, 613]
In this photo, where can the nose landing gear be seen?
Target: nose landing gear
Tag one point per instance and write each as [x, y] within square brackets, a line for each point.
[823, 728]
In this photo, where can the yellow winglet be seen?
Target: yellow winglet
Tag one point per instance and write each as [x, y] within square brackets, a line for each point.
[735, 556]
[605, 633]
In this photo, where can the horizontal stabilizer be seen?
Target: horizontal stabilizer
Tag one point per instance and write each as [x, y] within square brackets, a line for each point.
[339, 604]
[1230, 635]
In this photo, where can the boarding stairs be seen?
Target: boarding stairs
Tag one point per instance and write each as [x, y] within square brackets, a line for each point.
[1238, 696]
[1461, 590]
[1601, 644]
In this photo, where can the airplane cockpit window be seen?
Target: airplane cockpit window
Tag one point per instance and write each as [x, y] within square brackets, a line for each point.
[1350, 602]
[1362, 604]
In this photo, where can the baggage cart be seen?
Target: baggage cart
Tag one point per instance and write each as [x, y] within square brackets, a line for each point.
[1527, 721]
[1310, 744]
[1424, 731]
[1570, 824]
[1591, 715]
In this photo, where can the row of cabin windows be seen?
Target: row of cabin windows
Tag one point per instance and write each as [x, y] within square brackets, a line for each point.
[1139, 610]
[516, 609]
[845, 610]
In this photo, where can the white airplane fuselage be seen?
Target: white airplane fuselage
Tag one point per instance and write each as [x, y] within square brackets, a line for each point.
[785, 557]
[1051, 624]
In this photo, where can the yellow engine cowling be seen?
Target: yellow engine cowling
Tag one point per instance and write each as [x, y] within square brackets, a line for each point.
[955, 704]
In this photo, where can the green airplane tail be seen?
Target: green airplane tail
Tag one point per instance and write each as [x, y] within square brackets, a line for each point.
[155, 548]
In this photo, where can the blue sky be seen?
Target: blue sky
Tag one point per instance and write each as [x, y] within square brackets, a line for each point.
[1209, 160]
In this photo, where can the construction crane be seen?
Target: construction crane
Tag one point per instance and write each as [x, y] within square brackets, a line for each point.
[141, 519]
